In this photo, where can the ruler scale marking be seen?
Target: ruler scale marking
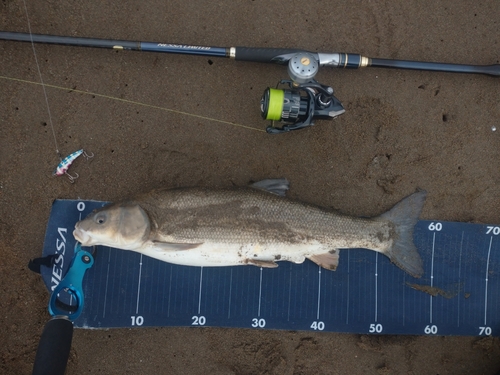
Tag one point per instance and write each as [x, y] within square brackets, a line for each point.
[460, 276]
[169, 292]
[230, 290]
[289, 293]
[139, 286]
[376, 285]
[348, 294]
[432, 274]
[404, 299]
[201, 284]
[486, 282]
[260, 291]
[319, 291]
[107, 282]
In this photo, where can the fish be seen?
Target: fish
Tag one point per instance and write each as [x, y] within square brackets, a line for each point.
[253, 225]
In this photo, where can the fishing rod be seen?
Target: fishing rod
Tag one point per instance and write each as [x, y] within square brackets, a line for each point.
[302, 101]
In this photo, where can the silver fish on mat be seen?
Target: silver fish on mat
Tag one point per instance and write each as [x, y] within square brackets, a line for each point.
[255, 225]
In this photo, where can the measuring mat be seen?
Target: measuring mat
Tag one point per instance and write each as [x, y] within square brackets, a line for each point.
[459, 293]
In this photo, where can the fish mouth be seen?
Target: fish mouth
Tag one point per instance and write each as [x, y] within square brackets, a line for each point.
[82, 237]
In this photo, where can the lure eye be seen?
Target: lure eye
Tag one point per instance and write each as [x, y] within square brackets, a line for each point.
[100, 219]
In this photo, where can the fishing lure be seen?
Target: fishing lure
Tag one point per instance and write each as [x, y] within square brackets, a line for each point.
[63, 166]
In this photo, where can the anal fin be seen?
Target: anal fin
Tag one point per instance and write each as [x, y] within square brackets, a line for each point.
[329, 260]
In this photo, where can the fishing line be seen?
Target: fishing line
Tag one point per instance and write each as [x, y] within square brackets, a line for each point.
[128, 101]
[41, 80]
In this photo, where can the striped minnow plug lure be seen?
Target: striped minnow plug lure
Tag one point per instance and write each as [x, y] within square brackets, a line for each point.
[63, 166]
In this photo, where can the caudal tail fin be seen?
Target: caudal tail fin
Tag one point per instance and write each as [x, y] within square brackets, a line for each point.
[404, 216]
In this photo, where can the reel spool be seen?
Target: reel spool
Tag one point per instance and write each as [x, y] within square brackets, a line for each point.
[305, 101]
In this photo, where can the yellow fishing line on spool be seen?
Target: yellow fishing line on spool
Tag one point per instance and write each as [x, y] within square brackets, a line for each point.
[275, 109]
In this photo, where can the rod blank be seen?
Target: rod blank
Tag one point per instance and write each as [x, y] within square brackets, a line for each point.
[70, 41]
[492, 70]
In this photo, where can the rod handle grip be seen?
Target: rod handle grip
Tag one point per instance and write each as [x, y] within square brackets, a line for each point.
[265, 55]
[54, 347]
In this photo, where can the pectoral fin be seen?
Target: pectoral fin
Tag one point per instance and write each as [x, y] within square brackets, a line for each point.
[170, 246]
[278, 186]
[329, 260]
[261, 263]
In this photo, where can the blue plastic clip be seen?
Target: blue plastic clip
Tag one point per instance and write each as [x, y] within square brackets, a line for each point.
[67, 297]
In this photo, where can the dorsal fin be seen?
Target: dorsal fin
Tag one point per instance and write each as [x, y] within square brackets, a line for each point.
[278, 186]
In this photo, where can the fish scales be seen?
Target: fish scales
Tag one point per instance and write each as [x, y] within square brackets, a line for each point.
[204, 215]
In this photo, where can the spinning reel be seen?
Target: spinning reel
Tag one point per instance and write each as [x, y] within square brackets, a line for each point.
[303, 102]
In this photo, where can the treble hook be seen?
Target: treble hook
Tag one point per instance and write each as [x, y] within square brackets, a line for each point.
[87, 156]
[72, 178]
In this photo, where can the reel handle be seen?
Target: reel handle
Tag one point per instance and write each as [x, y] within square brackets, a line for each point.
[54, 347]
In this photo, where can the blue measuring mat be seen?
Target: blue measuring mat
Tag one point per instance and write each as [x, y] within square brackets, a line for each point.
[459, 293]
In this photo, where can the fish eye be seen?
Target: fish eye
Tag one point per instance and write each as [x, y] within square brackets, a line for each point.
[100, 219]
